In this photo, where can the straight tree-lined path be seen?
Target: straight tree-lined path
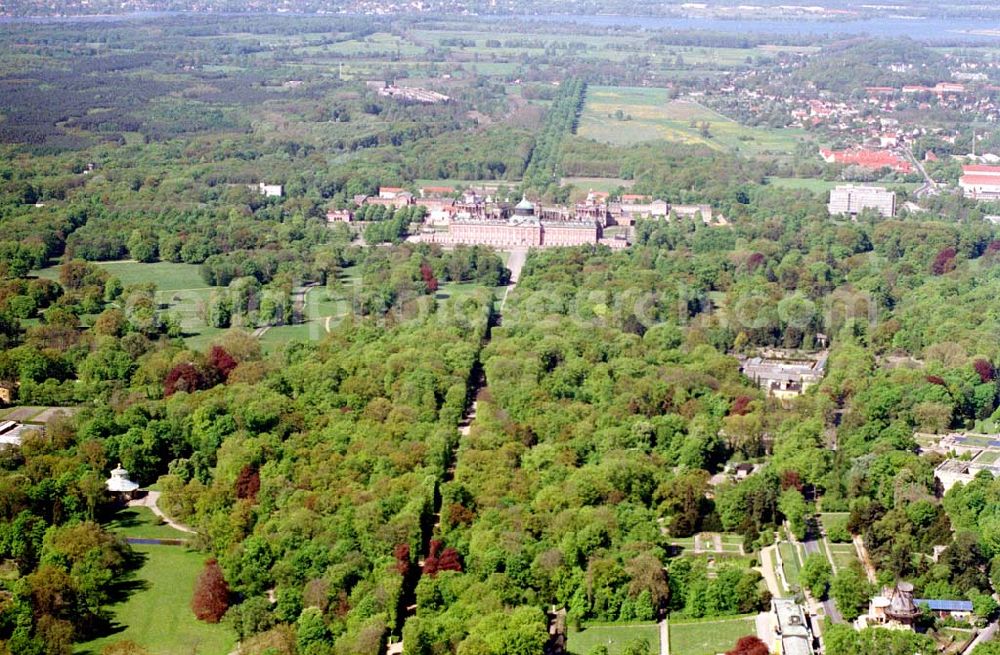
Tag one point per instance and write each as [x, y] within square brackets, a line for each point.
[477, 380]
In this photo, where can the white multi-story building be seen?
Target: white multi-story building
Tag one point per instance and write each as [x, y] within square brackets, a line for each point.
[851, 200]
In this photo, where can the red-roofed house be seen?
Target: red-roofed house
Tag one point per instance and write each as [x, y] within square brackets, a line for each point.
[873, 159]
[980, 182]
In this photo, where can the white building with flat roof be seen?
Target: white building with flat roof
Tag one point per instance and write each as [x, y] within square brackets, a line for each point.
[851, 200]
[792, 633]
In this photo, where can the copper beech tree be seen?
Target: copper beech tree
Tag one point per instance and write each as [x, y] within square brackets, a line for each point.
[211, 593]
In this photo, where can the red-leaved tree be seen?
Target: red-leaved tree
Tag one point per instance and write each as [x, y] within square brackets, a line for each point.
[944, 262]
[985, 370]
[183, 377]
[220, 361]
[248, 483]
[935, 379]
[441, 560]
[211, 593]
[754, 260]
[402, 554]
[430, 281]
[749, 645]
[740, 406]
[791, 480]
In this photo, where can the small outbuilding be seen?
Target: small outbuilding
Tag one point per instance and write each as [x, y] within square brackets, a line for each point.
[119, 484]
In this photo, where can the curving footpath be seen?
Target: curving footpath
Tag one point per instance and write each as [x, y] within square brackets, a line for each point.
[150, 500]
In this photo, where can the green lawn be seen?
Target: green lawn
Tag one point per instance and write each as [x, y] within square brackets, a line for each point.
[157, 615]
[654, 116]
[141, 522]
[179, 286]
[708, 637]
[156, 612]
[790, 563]
[844, 555]
[167, 276]
[615, 637]
[834, 522]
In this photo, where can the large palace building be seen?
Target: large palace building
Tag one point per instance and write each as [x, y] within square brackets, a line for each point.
[523, 228]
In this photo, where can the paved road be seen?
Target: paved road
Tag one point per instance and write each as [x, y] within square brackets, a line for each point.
[930, 187]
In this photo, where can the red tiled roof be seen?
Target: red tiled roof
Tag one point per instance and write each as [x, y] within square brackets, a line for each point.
[980, 180]
[869, 159]
[982, 168]
[438, 189]
[390, 189]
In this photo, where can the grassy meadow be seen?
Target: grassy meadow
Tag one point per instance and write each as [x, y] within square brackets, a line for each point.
[613, 637]
[656, 117]
[708, 637]
[154, 611]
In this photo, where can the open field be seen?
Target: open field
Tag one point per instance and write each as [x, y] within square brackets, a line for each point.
[654, 116]
[614, 637]
[180, 288]
[167, 276]
[155, 612]
[708, 637]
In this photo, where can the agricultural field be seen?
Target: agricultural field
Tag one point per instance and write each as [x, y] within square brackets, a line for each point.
[708, 637]
[613, 637]
[650, 115]
[155, 608]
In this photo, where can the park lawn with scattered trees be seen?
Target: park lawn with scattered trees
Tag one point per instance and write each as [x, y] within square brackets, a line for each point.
[156, 615]
[708, 637]
[613, 637]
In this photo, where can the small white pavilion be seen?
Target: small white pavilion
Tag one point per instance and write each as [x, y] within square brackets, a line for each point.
[119, 484]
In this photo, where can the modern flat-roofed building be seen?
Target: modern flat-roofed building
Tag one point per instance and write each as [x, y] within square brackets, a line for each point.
[851, 200]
